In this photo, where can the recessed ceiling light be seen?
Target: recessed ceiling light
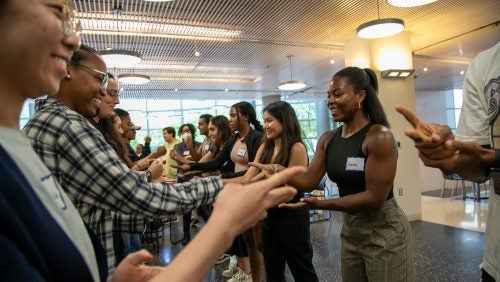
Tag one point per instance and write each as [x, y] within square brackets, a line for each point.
[117, 58]
[133, 78]
[409, 3]
[380, 28]
[292, 85]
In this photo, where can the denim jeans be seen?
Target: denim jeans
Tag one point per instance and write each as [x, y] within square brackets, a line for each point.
[131, 243]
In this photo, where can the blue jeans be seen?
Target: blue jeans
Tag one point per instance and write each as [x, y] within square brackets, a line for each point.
[131, 243]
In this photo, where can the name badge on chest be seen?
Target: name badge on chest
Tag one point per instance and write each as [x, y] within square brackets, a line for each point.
[241, 152]
[206, 147]
[355, 164]
[186, 153]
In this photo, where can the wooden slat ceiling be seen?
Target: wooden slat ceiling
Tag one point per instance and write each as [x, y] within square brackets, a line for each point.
[244, 45]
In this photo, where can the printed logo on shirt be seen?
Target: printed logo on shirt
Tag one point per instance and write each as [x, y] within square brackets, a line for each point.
[492, 91]
[355, 164]
[54, 189]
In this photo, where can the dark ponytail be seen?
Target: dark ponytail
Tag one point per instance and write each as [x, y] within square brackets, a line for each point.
[248, 110]
[366, 79]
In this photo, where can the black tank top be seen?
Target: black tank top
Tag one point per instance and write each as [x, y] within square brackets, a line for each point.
[345, 162]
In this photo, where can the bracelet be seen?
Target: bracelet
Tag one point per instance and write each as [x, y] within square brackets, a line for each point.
[148, 174]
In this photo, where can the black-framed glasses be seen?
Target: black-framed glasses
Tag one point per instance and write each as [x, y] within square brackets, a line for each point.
[113, 93]
[70, 23]
[103, 80]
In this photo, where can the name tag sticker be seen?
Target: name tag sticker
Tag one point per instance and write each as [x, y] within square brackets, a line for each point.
[241, 152]
[185, 153]
[206, 147]
[355, 164]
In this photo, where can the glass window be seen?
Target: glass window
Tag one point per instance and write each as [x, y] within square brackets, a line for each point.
[154, 115]
[26, 112]
[453, 107]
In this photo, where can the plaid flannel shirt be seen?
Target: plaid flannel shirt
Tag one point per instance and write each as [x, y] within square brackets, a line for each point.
[97, 180]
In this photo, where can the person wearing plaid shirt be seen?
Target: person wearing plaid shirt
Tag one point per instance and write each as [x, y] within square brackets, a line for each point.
[87, 167]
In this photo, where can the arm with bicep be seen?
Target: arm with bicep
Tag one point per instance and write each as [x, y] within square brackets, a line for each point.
[381, 154]
[237, 208]
[316, 169]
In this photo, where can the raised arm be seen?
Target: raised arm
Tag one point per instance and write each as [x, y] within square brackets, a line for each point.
[437, 148]
[223, 156]
[381, 154]
[317, 167]
[160, 151]
[236, 209]
[194, 152]
[108, 183]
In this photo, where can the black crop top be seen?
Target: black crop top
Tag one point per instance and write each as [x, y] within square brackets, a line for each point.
[345, 162]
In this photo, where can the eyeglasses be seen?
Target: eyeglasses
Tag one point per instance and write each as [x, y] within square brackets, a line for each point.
[103, 80]
[70, 23]
[113, 93]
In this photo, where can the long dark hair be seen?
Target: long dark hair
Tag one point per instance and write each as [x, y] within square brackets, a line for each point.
[366, 79]
[248, 110]
[223, 131]
[107, 128]
[285, 114]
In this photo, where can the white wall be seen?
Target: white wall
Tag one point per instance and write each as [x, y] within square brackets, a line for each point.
[394, 92]
[431, 107]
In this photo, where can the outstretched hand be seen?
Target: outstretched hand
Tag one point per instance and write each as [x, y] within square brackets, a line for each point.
[132, 269]
[184, 167]
[156, 168]
[304, 203]
[190, 173]
[266, 170]
[242, 206]
[429, 138]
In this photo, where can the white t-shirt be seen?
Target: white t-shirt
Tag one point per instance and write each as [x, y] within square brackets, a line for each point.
[50, 194]
[473, 124]
[480, 111]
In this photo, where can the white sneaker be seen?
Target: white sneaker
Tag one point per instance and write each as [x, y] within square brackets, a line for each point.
[231, 271]
[241, 277]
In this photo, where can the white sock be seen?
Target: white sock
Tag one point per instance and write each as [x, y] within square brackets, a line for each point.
[232, 260]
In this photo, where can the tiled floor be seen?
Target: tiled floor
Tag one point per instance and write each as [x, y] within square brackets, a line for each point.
[442, 252]
[455, 212]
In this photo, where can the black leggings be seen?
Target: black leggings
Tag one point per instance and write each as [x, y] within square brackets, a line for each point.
[286, 240]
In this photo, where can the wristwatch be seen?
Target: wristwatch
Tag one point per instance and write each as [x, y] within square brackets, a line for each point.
[148, 174]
